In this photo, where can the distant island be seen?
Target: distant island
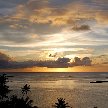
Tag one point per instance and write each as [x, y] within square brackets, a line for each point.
[98, 81]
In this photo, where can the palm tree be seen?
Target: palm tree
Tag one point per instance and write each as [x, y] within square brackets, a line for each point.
[61, 103]
[25, 89]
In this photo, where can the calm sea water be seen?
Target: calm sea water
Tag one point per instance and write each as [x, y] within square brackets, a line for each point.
[74, 87]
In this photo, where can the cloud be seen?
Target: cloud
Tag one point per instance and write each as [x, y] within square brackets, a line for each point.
[73, 12]
[100, 59]
[11, 36]
[37, 4]
[4, 57]
[105, 63]
[14, 37]
[4, 60]
[86, 61]
[47, 12]
[38, 24]
[102, 17]
[53, 55]
[77, 61]
[18, 26]
[81, 28]
[61, 62]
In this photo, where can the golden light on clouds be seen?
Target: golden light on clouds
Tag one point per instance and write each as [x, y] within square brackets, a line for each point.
[49, 32]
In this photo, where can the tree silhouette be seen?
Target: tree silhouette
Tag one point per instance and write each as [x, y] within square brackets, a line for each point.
[4, 89]
[21, 102]
[25, 89]
[61, 103]
[13, 101]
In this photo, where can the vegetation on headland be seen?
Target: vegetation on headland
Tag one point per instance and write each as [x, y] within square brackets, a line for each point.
[24, 100]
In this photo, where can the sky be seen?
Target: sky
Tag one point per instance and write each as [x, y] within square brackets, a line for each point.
[66, 34]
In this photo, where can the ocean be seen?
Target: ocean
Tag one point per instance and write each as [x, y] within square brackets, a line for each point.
[74, 87]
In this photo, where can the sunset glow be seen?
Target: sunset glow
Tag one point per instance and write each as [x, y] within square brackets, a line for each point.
[54, 34]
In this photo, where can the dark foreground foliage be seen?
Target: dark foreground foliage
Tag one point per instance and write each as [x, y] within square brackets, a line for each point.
[14, 101]
[61, 103]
